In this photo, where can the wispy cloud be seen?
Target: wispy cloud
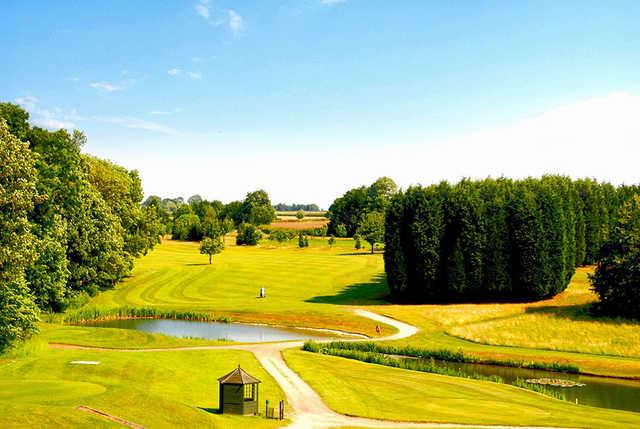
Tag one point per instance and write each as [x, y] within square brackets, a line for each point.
[194, 75]
[332, 2]
[28, 102]
[106, 87]
[174, 71]
[136, 123]
[203, 8]
[236, 23]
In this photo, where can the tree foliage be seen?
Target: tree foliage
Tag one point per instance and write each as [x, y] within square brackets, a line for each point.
[495, 239]
[211, 246]
[71, 223]
[617, 276]
[248, 234]
[346, 212]
[18, 193]
[371, 229]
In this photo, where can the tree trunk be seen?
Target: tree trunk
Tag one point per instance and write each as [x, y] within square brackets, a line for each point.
[372, 244]
[209, 259]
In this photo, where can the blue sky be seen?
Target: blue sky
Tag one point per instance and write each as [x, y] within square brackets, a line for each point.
[306, 98]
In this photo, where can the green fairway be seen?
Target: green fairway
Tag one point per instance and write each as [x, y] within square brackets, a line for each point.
[39, 387]
[319, 286]
[375, 391]
[303, 285]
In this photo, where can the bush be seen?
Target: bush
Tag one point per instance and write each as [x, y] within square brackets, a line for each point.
[248, 234]
[303, 241]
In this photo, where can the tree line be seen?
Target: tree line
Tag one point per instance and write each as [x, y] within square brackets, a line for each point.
[496, 239]
[281, 207]
[198, 218]
[70, 223]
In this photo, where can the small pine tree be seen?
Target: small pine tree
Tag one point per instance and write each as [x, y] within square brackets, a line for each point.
[300, 214]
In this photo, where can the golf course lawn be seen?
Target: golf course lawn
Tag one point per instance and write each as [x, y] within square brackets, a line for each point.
[319, 286]
[375, 391]
[39, 387]
[302, 285]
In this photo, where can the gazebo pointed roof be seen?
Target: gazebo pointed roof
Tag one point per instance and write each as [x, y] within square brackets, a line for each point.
[238, 376]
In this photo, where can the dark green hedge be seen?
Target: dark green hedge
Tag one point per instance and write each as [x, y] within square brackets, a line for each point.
[495, 239]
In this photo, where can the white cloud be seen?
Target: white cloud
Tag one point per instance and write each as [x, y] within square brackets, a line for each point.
[203, 8]
[105, 86]
[236, 23]
[596, 137]
[135, 123]
[194, 75]
[174, 71]
[29, 102]
[332, 2]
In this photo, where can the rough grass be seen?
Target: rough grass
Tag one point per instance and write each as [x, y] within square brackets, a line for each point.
[375, 391]
[40, 388]
[557, 330]
[561, 324]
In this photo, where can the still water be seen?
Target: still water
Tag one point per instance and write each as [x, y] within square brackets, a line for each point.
[597, 392]
[214, 330]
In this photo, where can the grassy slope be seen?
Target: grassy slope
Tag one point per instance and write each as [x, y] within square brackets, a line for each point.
[545, 326]
[39, 388]
[301, 284]
[375, 391]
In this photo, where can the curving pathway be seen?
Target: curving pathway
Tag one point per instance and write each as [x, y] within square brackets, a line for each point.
[309, 410]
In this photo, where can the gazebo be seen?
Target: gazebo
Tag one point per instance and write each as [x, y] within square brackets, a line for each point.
[239, 393]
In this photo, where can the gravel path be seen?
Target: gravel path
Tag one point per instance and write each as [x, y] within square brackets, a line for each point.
[306, 408]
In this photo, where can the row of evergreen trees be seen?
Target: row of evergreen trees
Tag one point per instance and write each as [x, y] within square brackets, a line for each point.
[70, 224]
[496, 239]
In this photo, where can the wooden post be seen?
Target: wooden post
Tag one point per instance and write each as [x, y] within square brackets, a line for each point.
[281, 410]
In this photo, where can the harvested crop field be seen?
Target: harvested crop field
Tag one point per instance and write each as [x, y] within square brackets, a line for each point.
[299, 224]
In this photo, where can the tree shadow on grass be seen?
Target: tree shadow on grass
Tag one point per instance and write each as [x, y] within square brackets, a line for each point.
[197, 265]
[375, 292]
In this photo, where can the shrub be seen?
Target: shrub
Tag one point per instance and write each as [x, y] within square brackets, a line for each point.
[248, 234]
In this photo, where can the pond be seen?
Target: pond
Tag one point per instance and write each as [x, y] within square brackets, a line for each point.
[597, 391]
[216, 331]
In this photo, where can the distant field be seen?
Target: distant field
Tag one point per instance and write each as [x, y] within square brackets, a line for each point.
[281, 214]
[303, 224]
